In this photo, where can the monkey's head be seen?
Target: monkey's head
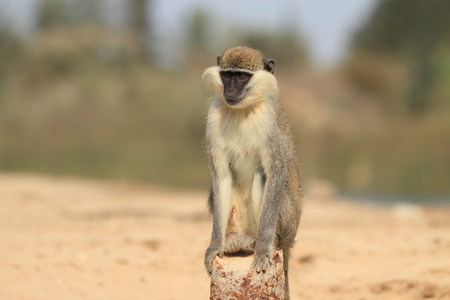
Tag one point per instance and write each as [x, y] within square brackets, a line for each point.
[245, 76]
[245, 59]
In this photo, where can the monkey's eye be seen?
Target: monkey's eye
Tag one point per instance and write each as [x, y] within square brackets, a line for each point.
[226, 75]
[242, 76]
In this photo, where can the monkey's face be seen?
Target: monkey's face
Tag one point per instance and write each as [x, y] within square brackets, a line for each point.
[234, 86]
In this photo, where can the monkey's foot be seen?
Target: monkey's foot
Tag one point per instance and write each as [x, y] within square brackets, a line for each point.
[263, 260]
[210, 254]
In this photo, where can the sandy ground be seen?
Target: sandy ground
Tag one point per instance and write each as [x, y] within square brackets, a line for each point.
[75, 239]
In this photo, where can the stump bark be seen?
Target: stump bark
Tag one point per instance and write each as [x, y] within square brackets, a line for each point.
[232, 278]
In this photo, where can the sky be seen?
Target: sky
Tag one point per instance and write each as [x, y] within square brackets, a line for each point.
[325, 25]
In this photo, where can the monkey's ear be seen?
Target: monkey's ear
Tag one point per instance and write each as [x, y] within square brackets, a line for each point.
[269, 65]
[219, 59]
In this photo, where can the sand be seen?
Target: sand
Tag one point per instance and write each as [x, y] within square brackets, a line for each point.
[78, 239]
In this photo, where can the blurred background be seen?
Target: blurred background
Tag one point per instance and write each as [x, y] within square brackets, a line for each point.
[111, 88]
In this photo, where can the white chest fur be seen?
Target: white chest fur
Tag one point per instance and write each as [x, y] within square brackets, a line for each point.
[240, 138]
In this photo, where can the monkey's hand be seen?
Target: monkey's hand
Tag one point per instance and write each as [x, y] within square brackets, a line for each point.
[263, 259]
[212, 251]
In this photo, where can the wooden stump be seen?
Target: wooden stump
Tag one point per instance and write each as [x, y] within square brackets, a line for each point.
[232, 278]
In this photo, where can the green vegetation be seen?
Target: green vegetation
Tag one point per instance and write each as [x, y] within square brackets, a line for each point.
[69, 107]
[83, 100]
[415, 34]
[401, 57]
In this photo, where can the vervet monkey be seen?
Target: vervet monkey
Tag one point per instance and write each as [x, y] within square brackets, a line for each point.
[255, 193]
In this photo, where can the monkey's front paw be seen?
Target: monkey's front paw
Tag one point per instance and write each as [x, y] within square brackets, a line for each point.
[210, 254]
[262, 260]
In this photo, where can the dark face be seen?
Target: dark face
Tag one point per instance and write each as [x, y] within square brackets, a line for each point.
[233, 85]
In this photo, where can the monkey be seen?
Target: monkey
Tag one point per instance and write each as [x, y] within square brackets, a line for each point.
[255, 194]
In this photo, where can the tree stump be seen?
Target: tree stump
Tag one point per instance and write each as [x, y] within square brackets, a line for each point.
[232, 278]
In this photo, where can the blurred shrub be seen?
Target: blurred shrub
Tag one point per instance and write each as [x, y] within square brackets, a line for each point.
[52, 13]
[60, 51]
[11, 52]
[198, 31]
[381, 76]
[408, 157]
[82, 105]
[285, 46]
[412, 32]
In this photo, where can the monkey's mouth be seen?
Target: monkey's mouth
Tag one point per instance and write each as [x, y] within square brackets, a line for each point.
[232, 101]
[235, 99]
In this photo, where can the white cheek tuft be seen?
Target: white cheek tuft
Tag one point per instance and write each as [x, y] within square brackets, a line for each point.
[211, 79]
